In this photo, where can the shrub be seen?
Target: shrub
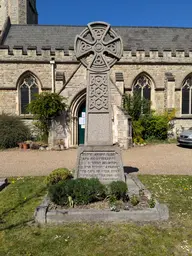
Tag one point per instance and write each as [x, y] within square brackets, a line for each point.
[156, 126]
[59, 192]
[138, 130]
[82, 191]
[44, 107]
[12, 131]
[146, 124]
[57, 176]
[118, 189]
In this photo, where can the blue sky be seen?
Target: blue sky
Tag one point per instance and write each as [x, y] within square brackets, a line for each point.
[170, 13]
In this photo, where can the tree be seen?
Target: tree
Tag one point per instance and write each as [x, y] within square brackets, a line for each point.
[44, 107]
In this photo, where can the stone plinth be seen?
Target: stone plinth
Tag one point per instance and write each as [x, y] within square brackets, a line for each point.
[102, 162]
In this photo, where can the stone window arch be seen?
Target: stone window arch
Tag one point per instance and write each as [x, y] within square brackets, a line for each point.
[142, 85]
[28, 87]
[186, 92]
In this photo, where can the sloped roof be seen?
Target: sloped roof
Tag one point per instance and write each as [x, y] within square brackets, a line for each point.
[160, 38]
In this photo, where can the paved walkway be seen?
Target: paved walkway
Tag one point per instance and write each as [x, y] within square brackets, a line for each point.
[151, 159]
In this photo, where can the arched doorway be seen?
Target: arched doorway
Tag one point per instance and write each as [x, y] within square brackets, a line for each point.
[81, 123]
[77, 109]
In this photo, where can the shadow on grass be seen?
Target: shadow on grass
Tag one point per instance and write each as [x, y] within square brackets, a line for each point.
[19, 224]
[130, 169]
[20, 204]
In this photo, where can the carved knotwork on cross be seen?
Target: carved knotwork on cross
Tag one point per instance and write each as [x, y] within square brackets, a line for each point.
[98, 47]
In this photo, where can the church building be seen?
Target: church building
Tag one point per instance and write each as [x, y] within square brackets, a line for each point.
[35, 58]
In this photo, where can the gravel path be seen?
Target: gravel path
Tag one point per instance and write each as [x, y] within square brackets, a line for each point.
[151, 159]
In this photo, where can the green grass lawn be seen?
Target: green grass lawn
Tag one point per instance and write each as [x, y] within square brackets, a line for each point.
[19, 235]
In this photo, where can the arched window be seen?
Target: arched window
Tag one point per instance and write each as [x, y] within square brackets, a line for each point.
[28, 87]
[187, 96]
[142, 85]
[142, 90]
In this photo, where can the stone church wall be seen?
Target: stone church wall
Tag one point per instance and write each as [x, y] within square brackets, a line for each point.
[8, 101]
[14, 62]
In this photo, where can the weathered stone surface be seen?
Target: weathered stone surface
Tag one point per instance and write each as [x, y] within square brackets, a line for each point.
[135, 186]
[102, 162]
[155, 214]
[41, 211]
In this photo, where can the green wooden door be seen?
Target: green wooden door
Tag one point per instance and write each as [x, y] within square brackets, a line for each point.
[81, 124]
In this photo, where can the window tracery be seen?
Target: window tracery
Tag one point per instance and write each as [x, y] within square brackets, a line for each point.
[142, 86]
[28, 89]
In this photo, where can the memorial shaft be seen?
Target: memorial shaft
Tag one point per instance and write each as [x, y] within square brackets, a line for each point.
[98, 48]
[98, 116]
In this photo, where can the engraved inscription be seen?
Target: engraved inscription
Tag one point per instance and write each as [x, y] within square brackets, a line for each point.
[101, 165]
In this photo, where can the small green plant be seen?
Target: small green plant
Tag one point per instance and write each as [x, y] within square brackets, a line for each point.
[70, 201]
[12, 131]
[114, 204]
[134, 200]
[118, 189]
[58, 175]
[151, 202]
[112, 200]
[82, 191]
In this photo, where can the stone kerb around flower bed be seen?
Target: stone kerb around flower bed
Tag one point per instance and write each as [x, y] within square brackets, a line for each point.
[45, 215]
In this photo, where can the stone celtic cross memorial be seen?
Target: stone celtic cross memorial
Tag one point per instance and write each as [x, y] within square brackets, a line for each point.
[98, 47]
